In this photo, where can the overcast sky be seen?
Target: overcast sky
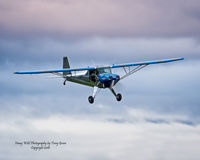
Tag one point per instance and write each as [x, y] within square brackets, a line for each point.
[158, 117]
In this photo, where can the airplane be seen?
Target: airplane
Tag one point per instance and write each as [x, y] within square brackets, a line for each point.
[99, 77]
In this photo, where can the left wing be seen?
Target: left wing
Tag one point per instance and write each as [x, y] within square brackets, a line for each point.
[147, 62]
[140, 65]
[55, 71]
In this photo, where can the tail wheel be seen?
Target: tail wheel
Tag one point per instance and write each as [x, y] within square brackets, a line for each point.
[91, 99]
[119, 97]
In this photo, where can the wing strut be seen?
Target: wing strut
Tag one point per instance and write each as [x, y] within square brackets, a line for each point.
[140, 65]
[129, 72]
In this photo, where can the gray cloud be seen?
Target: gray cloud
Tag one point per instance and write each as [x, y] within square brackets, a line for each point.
[168, 88]
[174, 90]
[43, 52]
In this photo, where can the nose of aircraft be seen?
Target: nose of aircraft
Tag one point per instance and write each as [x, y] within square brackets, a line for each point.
[107, 78]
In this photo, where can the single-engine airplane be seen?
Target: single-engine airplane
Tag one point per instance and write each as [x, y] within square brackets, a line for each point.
[99, 77]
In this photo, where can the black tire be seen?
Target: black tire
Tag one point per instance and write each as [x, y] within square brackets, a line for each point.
[91, 99]
[119, 97]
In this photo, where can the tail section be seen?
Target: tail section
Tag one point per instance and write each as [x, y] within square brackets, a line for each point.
[65, 66]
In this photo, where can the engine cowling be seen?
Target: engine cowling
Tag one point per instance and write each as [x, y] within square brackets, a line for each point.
[108, 78]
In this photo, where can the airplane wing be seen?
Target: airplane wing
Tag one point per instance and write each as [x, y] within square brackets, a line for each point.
[147, 62]
[55, 71]
[128, 68]
[139, 65]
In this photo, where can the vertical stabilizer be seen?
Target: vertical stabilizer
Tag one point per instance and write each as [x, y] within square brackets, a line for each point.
[65, 66]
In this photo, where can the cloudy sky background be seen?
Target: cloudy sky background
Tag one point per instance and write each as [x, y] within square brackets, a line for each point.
[158, 117]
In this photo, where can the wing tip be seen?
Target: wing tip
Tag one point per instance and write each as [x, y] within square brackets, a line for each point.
[181, 58]
[18, 73]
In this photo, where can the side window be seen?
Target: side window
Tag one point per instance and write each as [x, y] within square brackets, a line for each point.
[104, 70]
[107, 70]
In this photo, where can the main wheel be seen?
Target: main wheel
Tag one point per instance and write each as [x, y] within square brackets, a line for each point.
[119, 97]
[91, 99]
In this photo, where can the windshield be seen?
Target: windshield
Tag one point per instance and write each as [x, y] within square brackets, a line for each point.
[104, 70]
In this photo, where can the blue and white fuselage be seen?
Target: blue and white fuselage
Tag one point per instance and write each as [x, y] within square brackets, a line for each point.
[101, 77]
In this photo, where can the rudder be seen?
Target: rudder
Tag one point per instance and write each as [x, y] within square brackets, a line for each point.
[65, 66]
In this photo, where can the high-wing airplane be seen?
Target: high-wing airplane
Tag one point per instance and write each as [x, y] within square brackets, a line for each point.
[99, 77]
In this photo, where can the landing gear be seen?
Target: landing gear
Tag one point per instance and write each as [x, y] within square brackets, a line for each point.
[91, 99]
[97, 89]
[119, 97]
[95, 92]
[64, 83]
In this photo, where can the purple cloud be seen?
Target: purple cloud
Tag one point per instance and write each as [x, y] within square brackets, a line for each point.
[136, 18]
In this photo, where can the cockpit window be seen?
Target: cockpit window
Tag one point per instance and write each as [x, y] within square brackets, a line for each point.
[104, 70]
